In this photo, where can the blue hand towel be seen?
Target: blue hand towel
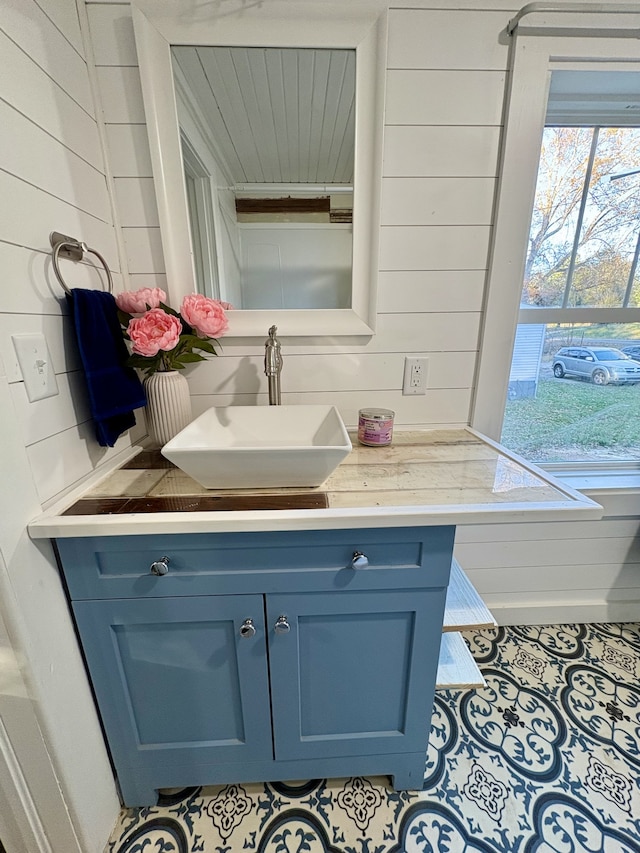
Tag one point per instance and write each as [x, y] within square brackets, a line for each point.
[114, 388]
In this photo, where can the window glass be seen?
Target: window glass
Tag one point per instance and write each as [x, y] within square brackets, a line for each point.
[585, 227]
[563, 408]
[574, 388]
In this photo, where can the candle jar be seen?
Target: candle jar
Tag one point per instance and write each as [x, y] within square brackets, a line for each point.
[375, 427]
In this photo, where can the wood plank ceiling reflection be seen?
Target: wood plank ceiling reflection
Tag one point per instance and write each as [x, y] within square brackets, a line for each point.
[276, 115]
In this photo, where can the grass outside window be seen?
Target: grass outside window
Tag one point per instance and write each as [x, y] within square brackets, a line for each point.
[570, 419]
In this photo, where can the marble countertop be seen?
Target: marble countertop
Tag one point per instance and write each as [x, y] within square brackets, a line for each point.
[423, 478]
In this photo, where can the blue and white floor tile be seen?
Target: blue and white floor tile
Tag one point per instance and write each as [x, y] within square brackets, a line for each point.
[545, 759]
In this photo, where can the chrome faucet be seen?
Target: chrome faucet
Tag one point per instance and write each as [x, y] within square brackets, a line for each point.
[273, 366]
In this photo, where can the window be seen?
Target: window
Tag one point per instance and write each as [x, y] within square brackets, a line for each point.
[563, 274]
[197, 182]
[566, 404]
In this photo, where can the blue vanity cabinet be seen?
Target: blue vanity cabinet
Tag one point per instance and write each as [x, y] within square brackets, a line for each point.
[261, 656]
[176, 682]
[355, 673]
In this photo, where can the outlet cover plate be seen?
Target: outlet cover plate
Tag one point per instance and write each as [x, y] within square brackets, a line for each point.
[36, 366]
[415, 375]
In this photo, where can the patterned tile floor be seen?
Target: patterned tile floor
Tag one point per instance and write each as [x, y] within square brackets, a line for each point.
[545, 759]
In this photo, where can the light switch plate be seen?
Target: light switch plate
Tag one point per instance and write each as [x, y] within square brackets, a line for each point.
[36, 366]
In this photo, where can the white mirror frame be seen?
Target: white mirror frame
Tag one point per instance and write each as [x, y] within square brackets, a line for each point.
[284, 23]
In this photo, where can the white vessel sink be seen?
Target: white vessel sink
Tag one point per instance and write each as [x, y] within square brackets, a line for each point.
[261, 447]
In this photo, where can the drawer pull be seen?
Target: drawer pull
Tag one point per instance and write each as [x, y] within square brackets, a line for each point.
[160, 567]
[247, 629]
[282, 625]
[359, 560]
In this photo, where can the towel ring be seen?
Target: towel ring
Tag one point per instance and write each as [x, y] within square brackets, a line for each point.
[75, 250]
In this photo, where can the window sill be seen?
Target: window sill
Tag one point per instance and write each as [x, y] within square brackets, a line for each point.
[622, 480]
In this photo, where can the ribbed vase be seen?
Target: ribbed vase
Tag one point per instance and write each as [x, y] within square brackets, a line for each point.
[168, 405]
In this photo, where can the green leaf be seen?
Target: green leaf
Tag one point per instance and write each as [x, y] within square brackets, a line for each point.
[191, 357]
[168, 310]
[206, 346]
[142, 361]
[189, 339]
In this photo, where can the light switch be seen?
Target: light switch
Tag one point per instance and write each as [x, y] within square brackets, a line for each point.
[36, 366]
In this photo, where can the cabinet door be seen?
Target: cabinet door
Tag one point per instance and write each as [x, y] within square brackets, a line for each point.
[355, 674]
[176, 683]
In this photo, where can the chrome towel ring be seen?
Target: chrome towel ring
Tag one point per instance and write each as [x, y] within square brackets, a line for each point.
[75, 250]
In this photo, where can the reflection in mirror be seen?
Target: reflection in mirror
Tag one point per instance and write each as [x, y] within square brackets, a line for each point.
[267, 137]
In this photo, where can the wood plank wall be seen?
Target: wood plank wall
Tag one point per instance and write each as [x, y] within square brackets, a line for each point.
[446, 76]
[558, 572]
[52, 178]
[434, 255]
[445, 89]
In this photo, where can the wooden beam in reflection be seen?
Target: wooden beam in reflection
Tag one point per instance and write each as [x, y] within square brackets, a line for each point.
[283, 205]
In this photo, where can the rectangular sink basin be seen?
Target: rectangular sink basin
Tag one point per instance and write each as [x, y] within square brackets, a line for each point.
[261, 447]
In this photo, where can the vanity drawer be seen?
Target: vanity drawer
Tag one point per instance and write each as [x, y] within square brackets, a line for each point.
[209, 564]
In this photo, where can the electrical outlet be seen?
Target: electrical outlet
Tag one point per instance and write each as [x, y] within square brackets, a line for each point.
[415, 376]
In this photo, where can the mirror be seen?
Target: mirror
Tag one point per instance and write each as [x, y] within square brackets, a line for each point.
[272, 208]
[267, 139]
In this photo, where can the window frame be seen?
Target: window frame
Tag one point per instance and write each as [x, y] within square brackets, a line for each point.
[202, 214]
[541, 43]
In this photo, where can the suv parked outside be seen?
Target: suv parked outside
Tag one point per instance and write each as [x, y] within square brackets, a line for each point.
[601, 365]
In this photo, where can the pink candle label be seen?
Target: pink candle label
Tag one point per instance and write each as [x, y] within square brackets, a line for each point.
[375, 431]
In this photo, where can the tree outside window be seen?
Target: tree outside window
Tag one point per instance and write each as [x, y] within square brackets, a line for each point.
[586, 219]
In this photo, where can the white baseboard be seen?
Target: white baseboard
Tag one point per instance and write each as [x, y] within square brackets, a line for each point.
[22, 818]
[563, 613]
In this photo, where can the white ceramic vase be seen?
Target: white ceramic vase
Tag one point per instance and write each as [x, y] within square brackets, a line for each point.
[168, 407]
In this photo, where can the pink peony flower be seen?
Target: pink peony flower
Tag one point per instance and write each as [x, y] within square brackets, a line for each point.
[205, 315]
[136, 301]
[154, 331]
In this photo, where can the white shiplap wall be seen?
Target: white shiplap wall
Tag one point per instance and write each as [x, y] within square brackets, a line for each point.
[52, 177]
[433, 256]
[446, 75]
[444, 109]
[445, 94]
[558, 572]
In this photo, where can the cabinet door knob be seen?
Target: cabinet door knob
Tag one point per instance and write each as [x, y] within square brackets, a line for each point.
[247, 629]
[359, 560]
[160, 567]
[282, 625]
